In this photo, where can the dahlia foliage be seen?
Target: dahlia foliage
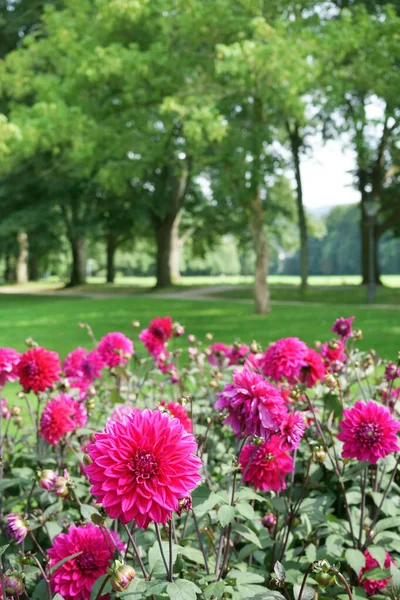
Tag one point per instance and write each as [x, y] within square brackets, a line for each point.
[158, 465]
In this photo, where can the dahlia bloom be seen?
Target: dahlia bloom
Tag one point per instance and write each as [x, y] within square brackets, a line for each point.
[313, 368]
[158, 332]
[343, 327]
[255, 406]
[254, 362]
[121, 411]
[83, 367]
[265, 466]
[284, 359]
[75, 578]
[217, 354]
[9, 361]
[179, 412]
[332, 351]
[372, 586]
[38, 369]
[47, 479]
[115, 349]
[392, 372]
[236, 354]
[369, 432]
[61, 415]
[142, 467]
[17, 527]
[292, 430]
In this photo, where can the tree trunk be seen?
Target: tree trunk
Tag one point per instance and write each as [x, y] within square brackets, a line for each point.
[261, 291]
[9, 273]
[365, 246]
[176, 248]
[163, 230]
[78, 271]
[33, 267]
[296, 142]
[22, 260]
[111, 248]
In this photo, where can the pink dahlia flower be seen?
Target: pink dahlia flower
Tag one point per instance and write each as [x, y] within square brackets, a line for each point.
[83, 367]
[292, 430]
[61, 415]
[265, 466]
[284, 359]
[155, 337]
[142, 467]
[333, 351]
[236, 354]
[218, 354]
[392, 372]
[4, 410]
[75, 578]
[313, 368]
[369, 432]
[372, 586]
[17, 527]
[38, 369]
[179, 412]
[255, 406]
[343, 327]
[122, 411]
[115, 349]
[254, 362]
[9, 361]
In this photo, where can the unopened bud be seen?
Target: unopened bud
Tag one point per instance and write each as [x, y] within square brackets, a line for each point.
[87, 460]
[14, 585]
[15, 411]
[121, 576]
[90, 403]
[135, 324]
[209, 336]
[319, 454]
[191, 338]
[330, 381]
[357, 334]
[213, 383]
[47, 478]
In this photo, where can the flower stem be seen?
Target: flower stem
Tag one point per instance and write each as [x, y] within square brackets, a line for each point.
[171, 566]
[162, 550]
[136, 551]
[346, 585]
[103, 585]
[200, 542]
[303, 583]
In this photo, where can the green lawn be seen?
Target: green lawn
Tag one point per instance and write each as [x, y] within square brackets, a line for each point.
[53, 321]
[326, 295]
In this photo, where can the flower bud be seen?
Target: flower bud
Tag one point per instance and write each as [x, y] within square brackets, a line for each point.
[324, 579]
[178, 330]
[15, 411]
[90, 403]
[121, 576]
[135, 324]
[357, 334]
[319, 454]
[269, 521]
[184, 504]
[191, 338]
[255, 347]
[209, 336]
[14, 585]
[330, 381]
[47, 477]
[87, 460]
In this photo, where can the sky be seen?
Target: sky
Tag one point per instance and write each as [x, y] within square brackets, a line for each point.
[327, 179]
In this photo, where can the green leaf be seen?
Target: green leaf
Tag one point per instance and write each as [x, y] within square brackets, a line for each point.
[226, 514]
[395, 572]
[3, 549]
[40, 590]
[87, 510]
[247, 577]
[182, 589]
[214, 590]
[155, 588]
[97, 585]
[248, 534]
[192, 554]
[248, 494]
[334, 545]
[378, 553]
[244, 509]
[376, 574]
[115, 397]
[387, 524]
[64, 560]
[356, 559]
[156, 563]
[307, 594]
[58, 597]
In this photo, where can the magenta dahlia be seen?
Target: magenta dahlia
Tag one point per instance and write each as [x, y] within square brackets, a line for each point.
[38, 369]
[83, 367]
[343, 327]
[61, 415]
[369, 432]
[284, 359]
[236, 354]
[217, 354]
[255, 407]
[122, 411]
[9, 361]
[292, 430]
[265, 466]
[313, 368]
[372, 586]
[74, 579]
[392, 372]
[142, 467]
[333, 351]
[155, 337]
[179, 412]
[17, 527]
[115, 349]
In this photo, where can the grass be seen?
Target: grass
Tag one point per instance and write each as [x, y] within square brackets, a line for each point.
[54, 321]
[328, 295]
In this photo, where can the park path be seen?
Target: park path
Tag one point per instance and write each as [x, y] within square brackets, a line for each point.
[200, 293]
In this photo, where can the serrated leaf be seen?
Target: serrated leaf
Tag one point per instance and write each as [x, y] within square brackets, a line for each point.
[356, 559]
[245, 510]
[214, 590]
[378, 553]
[387, 524]
[248, 494]
[376, 574]
[192, 554]
[87, 510]
[182, 589]
[248, 534]
[226, 514]
[307, 594]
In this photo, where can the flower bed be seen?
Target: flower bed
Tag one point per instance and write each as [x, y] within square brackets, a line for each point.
[142, 470]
